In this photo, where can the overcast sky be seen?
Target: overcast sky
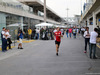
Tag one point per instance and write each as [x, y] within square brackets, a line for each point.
[60, 6]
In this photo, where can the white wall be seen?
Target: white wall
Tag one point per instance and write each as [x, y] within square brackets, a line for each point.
[91, 28]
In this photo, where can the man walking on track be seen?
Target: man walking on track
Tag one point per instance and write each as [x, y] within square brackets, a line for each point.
[58, 36]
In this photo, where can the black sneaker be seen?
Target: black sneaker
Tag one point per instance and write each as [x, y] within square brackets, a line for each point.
[90, 57]
[94, 57]
[3, 51]
[57, 54]
[21, 48]
[18, 47]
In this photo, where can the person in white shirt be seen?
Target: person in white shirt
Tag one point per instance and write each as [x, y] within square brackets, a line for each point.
[62, 31]
[54, 33]
[55, 30]
[37, 33]
[77, 31]
[9, 39]
[87, 38]
[93, 37]
[82, 31]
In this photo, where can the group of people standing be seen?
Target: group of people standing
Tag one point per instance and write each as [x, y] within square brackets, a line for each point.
[6, 39]
[70, 31]
[42, 34]
[33, 34]
[90, 38]
[55, 34]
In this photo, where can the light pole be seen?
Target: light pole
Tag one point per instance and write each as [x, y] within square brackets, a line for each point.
[67, 12]
[44, 10]
[67, 15]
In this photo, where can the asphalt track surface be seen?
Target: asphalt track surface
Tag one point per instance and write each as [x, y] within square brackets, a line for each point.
[39, 58]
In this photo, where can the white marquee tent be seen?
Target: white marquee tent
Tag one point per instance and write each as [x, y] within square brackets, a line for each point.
[44, 24]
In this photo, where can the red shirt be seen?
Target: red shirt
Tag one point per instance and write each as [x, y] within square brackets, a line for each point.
[70, 30]
[57, 35]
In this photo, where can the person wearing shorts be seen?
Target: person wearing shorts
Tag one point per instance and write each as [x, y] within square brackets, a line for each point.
[58, 36]
[20, 34]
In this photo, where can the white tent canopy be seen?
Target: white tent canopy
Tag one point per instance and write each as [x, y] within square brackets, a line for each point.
[44, 24]
[16, 25]
[61, 26]
[11, 25]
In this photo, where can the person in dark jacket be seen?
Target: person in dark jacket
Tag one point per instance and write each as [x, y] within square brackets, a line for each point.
[33, 33]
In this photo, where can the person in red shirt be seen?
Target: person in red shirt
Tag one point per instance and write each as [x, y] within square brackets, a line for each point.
[70, 32]
[58, 39]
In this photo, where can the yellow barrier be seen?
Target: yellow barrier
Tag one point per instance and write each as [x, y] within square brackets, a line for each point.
[7, 48]
[26, 41]
[98, 46]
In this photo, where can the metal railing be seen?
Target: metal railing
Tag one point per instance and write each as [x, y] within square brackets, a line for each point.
[18, 6]
[88, 5]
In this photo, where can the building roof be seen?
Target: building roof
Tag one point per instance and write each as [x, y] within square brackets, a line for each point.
[39, 6]
[92, 8]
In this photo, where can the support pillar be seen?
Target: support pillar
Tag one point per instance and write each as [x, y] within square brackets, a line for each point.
[29, 23]
[87, 22]
[94, 20]
[21, 26]
[44, 10]
[84, 23]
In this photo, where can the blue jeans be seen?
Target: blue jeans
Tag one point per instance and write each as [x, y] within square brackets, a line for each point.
[74, 34]
[86, 42]
[37, 35]
[92, 46]
[70, 34]
[4, 44]
[67, 35]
